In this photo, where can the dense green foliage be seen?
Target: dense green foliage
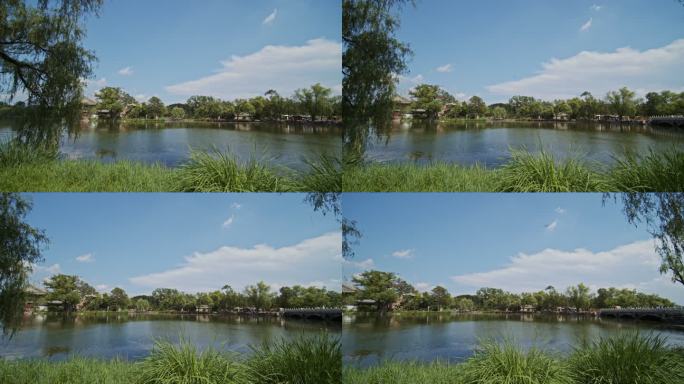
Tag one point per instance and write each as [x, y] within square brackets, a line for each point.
[621, 103]
[626, 359]
[316, 101]
[21, 247]
[388, 291]
[76, 294]
[304, 360]
[525, 172]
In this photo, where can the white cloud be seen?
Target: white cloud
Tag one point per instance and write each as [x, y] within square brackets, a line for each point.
[560, 210]
[141, 97]
[445, 68]
[279, 67]
[126, 71]
[236, 206]
[102, 287]
[403, 254]
[87, 258]
[633, 265]
[314, 259]
[587, 25]
[413, 80]
[596, 8]
[552, 226]
[269, 19]
[229, 221]
[49, 269]
[599, 72]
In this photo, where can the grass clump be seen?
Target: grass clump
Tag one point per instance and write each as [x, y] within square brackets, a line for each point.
[507, 364]
[217, 171]
[629, 358]
[73, 371]
[325, 175]
[14, 153]
[654, 172]
[303, 360]
[183, 364]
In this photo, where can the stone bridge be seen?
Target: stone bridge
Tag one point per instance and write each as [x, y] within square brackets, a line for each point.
[673, 121]
[312, 313]
[669, 315]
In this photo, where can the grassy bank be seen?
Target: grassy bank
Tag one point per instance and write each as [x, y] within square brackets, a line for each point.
[25, 169]
[626, 359]
[306, 360]
[525, 172]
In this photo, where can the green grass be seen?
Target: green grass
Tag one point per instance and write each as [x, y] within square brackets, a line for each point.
[525, 172]
[629, 358]
[24, 169]
[304, 360]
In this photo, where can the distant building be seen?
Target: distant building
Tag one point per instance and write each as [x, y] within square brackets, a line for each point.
[34, 298]
[401, 107]
[203, 309]
[527, 308]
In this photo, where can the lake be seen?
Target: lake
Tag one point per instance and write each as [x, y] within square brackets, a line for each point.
[366, 339]
[170, 143]
[56, 337]
[489, 143]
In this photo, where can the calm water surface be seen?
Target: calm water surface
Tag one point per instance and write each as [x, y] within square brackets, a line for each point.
[170, 143]
[132, 336]
[490, 143]
[366, 340]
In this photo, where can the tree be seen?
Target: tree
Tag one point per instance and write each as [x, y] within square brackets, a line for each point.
[118, 299]
[440, 297]
[64, 288]
[114, 100]
[431, 98]
[499, 113]
[476, 107]
[21, 247]
[579, 296]
[142, 305]
[41, 54]
[663, 216]
[259, 295]
[177, 113]
[464, 304]
[155, 107]
[378, 286]
[314, 100]
[372, 59]
[622, 102]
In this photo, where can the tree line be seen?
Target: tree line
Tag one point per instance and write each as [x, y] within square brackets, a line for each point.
[388, 291]
[316, 101]
[621, 103]
[76, 294]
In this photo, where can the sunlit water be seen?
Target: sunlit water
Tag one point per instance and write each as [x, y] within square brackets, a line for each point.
[132, 336]
[490, 143]
[367, 340]
[281, 145]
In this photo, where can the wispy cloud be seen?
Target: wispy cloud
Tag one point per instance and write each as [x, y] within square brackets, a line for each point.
[229, 222]
[560, 210]
[599, 72]
[587, 25]
[87, 258]
[126, 71]
[102, 287]
[445, 68]
[270, 18]
[633, 265]
[423, 287]
[313, 259]
[236, 206]
[403, 254]
[596, 8]
[280, 67]
[552, 226]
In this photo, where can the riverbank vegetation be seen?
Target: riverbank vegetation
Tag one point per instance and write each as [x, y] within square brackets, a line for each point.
[524, 172]
[434, 102]
[69, 293]
[26, 168]
[629, 358]
[304, 360]
[382, 291]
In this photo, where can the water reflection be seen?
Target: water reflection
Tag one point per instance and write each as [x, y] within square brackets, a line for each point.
[490, 143]
[131, 336]
[366, 340]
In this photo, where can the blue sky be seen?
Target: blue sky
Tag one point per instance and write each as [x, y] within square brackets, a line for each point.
[496, 49]
[518, 242]
[192, 242]
[175, 48]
